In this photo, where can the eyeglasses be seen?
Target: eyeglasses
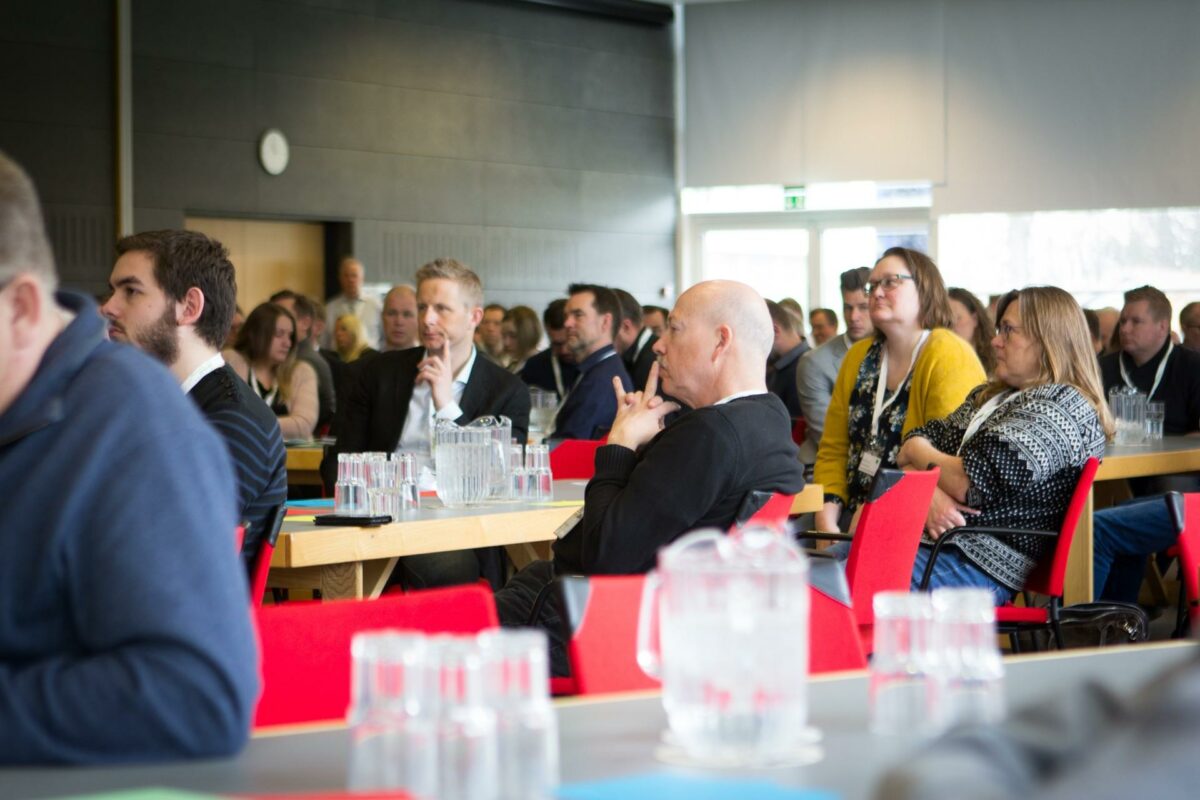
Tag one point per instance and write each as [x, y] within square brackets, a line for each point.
[1005, 330]
[888, 284]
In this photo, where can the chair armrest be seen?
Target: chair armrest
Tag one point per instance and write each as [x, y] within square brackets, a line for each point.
[808, 551]
[825, 536]
[954, 533]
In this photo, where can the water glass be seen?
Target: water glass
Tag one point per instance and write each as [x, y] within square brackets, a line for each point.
[969, 675]
[901, 694]
[539, 482]
[1155, 414]
[516, 672]
[468, 761]
[543, 407]
[350, 491]
[382, 485]
[516, 471]
[408, 493]
[392, 714]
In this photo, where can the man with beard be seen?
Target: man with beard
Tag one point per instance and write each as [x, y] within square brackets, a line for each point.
[593, 313]
[173, 297]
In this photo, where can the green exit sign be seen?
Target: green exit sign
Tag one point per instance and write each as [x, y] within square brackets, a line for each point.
[793, 198]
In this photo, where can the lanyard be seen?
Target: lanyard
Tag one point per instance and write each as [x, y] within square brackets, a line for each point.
[982, 415]
[1162, 367]
[880, 405]
[556, 368]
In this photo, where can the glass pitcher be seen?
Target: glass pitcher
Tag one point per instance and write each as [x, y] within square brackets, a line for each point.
[724, 626]
[499, 474]
[462, 458]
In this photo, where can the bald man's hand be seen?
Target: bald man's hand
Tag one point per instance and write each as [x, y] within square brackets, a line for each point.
[639, 414]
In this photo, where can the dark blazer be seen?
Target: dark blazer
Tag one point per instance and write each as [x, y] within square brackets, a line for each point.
[639, 368]
[371, 418]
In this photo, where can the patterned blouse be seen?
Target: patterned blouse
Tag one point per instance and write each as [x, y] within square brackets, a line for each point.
[1023, 464]
[884, 442]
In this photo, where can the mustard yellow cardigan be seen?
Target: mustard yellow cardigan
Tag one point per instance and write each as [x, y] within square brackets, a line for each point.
[945, 372]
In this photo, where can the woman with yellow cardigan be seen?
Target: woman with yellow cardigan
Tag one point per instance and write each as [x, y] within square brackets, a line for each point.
[915, 369]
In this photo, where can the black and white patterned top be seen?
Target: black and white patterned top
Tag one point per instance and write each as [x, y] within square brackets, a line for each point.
[884, 442]
[1023, 464]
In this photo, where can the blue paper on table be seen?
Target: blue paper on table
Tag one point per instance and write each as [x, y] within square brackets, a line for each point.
[318, 503]
[681, 787]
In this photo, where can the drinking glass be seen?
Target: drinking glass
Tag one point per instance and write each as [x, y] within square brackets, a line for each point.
[969, 684]
[468, 767]
[543, 406]
[900, 688]
[539, 482]
[408, 494]
[350, 491]
[1155, 414]
[516, 471]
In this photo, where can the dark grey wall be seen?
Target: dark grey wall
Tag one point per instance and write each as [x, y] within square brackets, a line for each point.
[56, 119]
[533, 143]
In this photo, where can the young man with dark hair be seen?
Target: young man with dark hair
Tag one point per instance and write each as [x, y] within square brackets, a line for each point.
[126, 633]
[553, 369]
[172, 297]
[593, 313]
[633, 341]
[655, 318]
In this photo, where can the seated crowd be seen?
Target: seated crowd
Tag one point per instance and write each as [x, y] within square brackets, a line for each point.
[699, 409]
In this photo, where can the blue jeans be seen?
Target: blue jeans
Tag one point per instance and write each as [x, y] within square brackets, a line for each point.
[1122, 537]
[953, 569]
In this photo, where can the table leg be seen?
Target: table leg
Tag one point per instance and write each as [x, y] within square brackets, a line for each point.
[376, 574]
[342, 581]
[1077, 587]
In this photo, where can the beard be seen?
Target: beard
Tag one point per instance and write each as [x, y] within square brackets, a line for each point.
[161, 339]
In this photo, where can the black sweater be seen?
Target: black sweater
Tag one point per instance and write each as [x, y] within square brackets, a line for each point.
[694, 474]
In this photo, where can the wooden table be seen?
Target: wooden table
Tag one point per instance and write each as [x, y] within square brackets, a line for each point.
[353, 562]
[616, 735]
[304, 466]
[1173, 454]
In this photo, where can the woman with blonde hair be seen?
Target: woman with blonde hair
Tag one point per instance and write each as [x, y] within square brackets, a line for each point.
[913, 370]
[1011, 455]
[264, 356]
[349, 339]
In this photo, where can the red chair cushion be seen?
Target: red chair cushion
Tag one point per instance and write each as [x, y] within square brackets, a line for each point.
[575, 459]
[1022, 614]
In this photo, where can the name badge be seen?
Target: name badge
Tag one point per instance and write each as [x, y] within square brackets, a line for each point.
[869, 464]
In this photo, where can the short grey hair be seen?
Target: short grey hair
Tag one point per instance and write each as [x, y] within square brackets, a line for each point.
[23, 243]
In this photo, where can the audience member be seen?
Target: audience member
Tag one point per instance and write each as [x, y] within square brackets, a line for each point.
[633, 340]
[797, 313]
[1109, 317]
[655, 318]
[1149, 361]
[521, 333]
[817, 371]
[824, 324]
[911, 371]
[304, 311]
[172, 297]
[400, 319]
[489, 336]
[398, 396]
[1189, 325]
[1093, 323]
[126, 633]
[554, 368]
[265, 358]
[349, 340]
[710, 467]
[786, 349]
[235, 325]
[1011, 455]
[352, 300]
[592, 314]
[974, 324]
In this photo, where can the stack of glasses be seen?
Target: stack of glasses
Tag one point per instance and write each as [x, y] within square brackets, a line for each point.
[376, 484]
[453, 717]
[936, 663]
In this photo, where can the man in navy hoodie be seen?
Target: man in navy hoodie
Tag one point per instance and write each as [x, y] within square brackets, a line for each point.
[124, 620]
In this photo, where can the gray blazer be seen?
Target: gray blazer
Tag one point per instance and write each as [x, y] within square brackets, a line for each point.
[815, 377]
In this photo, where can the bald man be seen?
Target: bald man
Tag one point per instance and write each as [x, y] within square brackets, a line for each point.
[400, 319]
[711, 467]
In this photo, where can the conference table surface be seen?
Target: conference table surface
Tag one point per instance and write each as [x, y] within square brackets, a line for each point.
[617, 736]
[1170, 455]
[355, 562]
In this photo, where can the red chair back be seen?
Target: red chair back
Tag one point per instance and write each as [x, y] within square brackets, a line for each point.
[1189, 551]
[306, 645]
[239, 537]
[601, 617]
[775, 512]
[886, 538]
[1049, 575]
[833, 639]
[262, 559]
[574, 459]
[799, 429]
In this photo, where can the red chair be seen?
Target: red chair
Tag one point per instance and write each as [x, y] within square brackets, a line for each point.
[834, 644]
[884, 545]
[574, 459]
[266, 548]
[799, 429]
[775, 512]
[239, 537]
[1184, 510]
[306, 645]
[600, 614]
[1047, 577]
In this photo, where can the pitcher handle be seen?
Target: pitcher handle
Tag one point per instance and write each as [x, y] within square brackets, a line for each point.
[649, 650]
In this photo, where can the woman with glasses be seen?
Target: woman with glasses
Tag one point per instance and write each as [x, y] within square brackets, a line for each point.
[1011, 455]
[265, 358]
[913, 370]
